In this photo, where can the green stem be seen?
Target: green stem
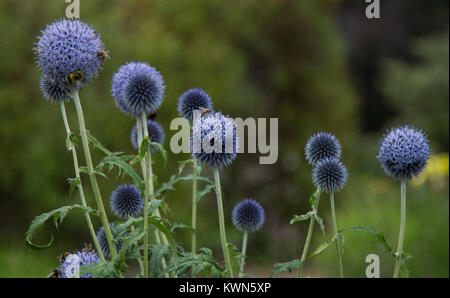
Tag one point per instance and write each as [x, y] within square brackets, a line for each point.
[401, 236]
[147, 178]
[336, 236]
[312, 220]
[223, 237]
[93, 179]
[194, 211]
[139, 260]
[244, 251]
[149, 191]
[79, 185]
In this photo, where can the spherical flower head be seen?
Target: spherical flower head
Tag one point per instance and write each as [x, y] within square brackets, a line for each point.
[155, 134]
[404, 152]
[214, 142]
[102, 241]
[54, 92]
[329, 175]
[68, 265]
[322, 145]
[137, 87]
[126, 200]
[248, 216]
[69, 52]
[193, 99]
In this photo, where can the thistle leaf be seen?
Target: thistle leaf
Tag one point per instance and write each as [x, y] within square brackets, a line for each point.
[58, 216]
[301, 217]
[286, 266]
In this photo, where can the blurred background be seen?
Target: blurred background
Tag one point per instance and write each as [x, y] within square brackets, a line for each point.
[314, 65]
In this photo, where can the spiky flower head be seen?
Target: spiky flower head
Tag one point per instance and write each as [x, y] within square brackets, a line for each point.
[329, 175]
[193, 99]
[126, 200]
[69, 53]
[54, 92]
[103, 242]
[322, 145]
[69, 264]
[404, 152]
[137, 87]
[248, 216]
[214, 142]
[155, 134]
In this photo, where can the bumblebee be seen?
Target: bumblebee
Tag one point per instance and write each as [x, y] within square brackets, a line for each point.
[102, 55]
[152, 116]
[205, 111]
[75, 76]
[53, 274]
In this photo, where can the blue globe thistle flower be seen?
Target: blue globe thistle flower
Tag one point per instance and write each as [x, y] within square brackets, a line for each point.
[54, 92]
[69, 52]
[126, 200]
[193, 99]
[136, 87]
[68, 266]
[219, 132]
[103, 242]
[248, 216]
[322, 145]
[404, 152]
[329, 175]
[155, 133]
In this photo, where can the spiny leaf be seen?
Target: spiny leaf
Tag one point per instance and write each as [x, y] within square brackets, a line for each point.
[58, 216]
[323, 247]
[208, 188]
[169, 185]
[121, 162]
[74, 182]
[162, 151]
[286, 266]
[157, 254]
[236, 257]
[301, 217]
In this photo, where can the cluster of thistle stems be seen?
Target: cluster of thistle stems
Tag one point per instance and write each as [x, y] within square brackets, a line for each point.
[146, 167]
[315, 205]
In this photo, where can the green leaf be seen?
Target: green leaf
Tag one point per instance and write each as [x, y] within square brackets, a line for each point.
[169, 185]
[323, 247]
[286, 266]
[157, 254]
[301, 217]
[236, 257]
[143, 149]
[180, 225]
[58, 216]
[208, 188]
[183, 163]
[162, 151]
[205, 264]
[74, 182]
[121, 162]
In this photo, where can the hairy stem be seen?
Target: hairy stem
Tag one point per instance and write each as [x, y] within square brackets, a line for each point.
[149, 191]
[92, 178]
[336, 236]
[194, 210]
[312, 221]
[401, 236]
[79, 185]
[223, 237]
[244, 251]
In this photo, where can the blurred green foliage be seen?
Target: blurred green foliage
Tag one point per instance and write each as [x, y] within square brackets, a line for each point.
[284, 59]
[419, 90]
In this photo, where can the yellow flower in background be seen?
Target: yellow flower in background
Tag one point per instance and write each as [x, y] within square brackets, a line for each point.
[436, 171]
